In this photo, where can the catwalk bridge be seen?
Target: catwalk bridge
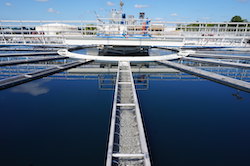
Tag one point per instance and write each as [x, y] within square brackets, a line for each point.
[127, 144]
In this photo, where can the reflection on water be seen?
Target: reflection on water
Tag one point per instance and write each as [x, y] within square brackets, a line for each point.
[32, 88]
[189, 121]
[237, 95]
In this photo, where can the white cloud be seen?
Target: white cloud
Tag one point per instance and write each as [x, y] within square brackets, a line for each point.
[8, 4]
[174, 14]
[51, 10]
[33, 88]
[141, 6]
[42, 0]
[110, 3]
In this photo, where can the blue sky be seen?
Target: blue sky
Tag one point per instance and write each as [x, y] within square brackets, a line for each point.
[169, 10]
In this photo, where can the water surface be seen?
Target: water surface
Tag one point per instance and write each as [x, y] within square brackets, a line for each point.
[58, 122]
[54, 122]
[196, 123]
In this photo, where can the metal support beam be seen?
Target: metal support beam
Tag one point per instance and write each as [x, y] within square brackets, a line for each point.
[28, 54]
[113, 70]
[17, 62]
[46, 49]
[200, 55]
[216, 62]
[20, 79]
[128, 155]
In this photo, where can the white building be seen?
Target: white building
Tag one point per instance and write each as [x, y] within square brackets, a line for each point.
[57, 29]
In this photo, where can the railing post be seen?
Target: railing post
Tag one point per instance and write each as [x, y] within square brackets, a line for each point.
[22, 28]
[43, 33]
[2, 33]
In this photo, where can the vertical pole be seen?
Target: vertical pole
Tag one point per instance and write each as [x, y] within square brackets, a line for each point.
[245, 33]
[22, 29]
[237, 29]
[218, 30]
[42, 33]
[199, 30]
[85, 29]
[82, 29]
[2, 32]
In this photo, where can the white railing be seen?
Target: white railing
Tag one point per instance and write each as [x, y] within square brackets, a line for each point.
[59, 32]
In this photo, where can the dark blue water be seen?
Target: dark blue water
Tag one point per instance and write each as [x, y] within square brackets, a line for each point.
[196, 123]
[54, 123]
[65, 122]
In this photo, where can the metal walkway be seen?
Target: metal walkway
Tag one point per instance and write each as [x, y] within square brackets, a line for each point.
[217, 62]
[127, 142]
[17, 62]
[235, 83]
[20, 79]
[28, 54]
[27, 49]
[66, 53]
[201, 55]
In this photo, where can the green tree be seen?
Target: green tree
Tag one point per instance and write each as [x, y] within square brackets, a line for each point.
[237, 19]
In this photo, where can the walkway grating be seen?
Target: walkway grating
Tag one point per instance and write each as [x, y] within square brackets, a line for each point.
[127, 142]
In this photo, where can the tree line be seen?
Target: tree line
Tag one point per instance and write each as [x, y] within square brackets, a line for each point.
[238, 19]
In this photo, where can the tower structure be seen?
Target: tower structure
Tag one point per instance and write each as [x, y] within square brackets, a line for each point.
[121, 5]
